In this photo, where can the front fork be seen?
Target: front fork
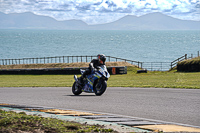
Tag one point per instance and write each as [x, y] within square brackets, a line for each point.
[99, 83]
[77, 82]
[75, 78]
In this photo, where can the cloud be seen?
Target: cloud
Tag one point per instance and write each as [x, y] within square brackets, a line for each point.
[102, 11]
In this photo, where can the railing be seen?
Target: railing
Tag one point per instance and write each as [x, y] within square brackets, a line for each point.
[62, 59]
[151, 66]
[115, 59]
[174, 63]
[156, 66]
[185, 57]
[193, 55]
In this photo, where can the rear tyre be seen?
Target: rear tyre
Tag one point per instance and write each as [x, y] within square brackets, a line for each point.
[76, 90]
[99, 89]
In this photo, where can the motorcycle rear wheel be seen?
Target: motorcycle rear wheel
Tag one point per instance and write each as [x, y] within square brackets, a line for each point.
[76, 90]
[99, 90]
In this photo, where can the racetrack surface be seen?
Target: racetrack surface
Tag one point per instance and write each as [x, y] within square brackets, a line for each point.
[172, 105]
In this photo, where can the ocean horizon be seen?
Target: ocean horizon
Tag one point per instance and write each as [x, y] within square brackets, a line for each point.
[143, 46]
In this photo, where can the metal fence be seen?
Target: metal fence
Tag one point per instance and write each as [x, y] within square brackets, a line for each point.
[156, 66]
[62, 59]
[150, 66]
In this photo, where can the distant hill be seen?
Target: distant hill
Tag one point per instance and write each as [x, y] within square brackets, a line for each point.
[31, 21]
[153, 21]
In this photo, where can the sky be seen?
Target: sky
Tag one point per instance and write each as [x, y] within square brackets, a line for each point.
[103, 11]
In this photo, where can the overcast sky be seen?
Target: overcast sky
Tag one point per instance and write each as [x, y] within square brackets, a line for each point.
[103, 11]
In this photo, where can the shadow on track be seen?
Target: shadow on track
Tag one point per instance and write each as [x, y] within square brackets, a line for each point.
[80, 95]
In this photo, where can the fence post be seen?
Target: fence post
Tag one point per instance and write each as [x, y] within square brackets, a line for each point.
[171, 65]
[185, 56]
[198, 53]
[67, 59]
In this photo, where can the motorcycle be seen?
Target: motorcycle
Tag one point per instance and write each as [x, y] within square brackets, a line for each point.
[96, 82]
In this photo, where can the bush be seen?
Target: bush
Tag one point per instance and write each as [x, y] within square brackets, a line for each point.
[192, 65]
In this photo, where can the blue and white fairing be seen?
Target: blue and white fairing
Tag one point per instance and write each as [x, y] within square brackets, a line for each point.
[102, 72]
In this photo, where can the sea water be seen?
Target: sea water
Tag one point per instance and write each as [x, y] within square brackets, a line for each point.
[143, 46]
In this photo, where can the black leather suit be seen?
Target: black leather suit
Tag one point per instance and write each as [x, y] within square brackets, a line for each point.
[93, 64]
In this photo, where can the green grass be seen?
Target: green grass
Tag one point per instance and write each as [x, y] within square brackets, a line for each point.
[36, 80]
[158, 79]
[171, 79]
[13, 122]
[192, 61]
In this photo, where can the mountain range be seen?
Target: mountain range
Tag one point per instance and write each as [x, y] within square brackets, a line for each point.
[152, 21]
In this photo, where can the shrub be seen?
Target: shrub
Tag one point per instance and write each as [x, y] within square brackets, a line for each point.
[191, 65]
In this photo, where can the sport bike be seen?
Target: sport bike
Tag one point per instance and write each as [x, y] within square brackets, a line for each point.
[96, 82]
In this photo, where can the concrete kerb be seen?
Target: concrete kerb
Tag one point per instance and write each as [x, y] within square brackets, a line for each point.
[114, 126]
[118, 123]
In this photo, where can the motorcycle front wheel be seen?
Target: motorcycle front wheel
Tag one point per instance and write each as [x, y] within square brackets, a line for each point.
[76, 90]
[99, 89]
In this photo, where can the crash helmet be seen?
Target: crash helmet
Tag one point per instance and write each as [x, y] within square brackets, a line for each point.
[101, 57]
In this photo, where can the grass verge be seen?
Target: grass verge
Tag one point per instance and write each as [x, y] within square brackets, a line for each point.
[15, 122]
[170, 79]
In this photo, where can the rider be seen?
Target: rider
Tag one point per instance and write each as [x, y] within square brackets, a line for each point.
[95, 63]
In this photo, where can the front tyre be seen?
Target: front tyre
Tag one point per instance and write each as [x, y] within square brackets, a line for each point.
[99, 89]
[76, 90]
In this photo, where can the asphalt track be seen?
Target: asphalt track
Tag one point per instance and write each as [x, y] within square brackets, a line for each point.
[171, 105]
